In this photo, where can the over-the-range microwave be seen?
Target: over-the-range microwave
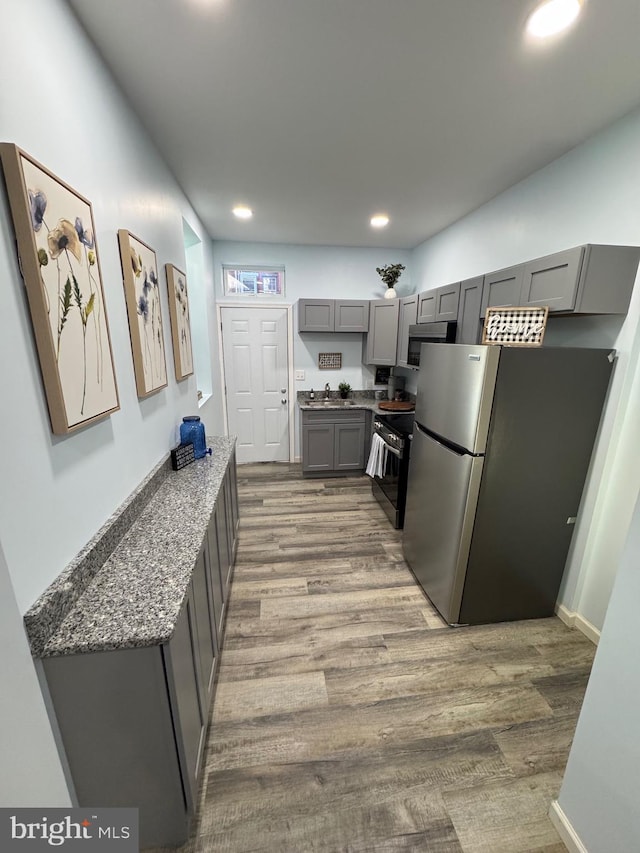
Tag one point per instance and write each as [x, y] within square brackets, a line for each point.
[433, 333]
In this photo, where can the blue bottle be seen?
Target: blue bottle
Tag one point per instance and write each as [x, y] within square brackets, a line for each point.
[192, 432]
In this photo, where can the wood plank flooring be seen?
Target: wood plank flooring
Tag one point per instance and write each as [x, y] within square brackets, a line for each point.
[347, 717]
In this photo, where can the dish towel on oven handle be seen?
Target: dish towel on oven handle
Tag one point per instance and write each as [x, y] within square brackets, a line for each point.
[377, 456]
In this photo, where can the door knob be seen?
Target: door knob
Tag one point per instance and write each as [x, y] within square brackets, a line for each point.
[284, 400]
[283, 390]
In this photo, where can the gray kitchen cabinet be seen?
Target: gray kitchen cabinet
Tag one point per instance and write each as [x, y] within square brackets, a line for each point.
[333, 441]
[206, 648]
[133, 720]
[447, 298]
[131, 724]
[333, 315]
[591, 279]
[349, 446]
[317, 445]
[407, 317]
[351, 315]
[502, 288]
[439, 304]
[381, 343]
[184, 682]
[316, 315]
[222, 537]
[469, 330]
[552, 281]
[218, 599]
[427, 306]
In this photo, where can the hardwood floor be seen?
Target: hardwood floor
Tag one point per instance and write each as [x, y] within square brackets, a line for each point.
[347, 717]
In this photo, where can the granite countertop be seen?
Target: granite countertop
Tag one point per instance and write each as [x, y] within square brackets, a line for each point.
[136, 596]
[335, 403]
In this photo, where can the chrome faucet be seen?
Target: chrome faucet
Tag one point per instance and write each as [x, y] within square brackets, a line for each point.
[326, 391]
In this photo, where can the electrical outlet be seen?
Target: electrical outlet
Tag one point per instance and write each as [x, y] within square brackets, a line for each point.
[300, 375]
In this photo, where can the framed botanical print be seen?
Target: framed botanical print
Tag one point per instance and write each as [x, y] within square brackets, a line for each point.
[59, 260]
[142, 295]
[180, 321]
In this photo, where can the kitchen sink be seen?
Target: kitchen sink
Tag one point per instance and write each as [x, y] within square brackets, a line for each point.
[327, 404]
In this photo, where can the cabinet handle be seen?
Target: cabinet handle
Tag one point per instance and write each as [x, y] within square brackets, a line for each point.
[283, 390]
[284, 400]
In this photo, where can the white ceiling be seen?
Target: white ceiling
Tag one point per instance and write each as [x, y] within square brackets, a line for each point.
[319, 113]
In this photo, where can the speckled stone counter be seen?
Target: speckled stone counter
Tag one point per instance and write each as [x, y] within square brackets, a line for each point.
[130, 595]
[357, 400]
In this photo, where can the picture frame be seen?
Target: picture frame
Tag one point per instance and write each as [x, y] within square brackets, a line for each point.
[180, 321]
[515, 326]
[60, 266]
[144, 310]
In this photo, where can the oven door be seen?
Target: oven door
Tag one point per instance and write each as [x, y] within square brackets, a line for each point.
[387, 489]
[388, 483]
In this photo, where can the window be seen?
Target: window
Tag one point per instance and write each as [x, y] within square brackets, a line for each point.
[254, 281]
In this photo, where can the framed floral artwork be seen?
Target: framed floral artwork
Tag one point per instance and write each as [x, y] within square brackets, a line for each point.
[180, 321]
[58, 257]
[142, 295]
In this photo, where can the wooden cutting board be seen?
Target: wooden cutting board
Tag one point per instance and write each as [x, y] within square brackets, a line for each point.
[395, 406]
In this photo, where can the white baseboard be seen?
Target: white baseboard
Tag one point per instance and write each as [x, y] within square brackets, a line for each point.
[565, 615]
[575, 620]
[567, 833]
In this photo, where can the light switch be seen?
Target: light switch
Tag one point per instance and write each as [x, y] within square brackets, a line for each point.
[300, 375]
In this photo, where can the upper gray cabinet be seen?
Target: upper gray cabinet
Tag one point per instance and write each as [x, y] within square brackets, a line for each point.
[351, 315]
[591, 279]
[552, 281]
[316, 315]
[438, 304]
[333, 315]
[469, 330]
[502, 288]
[427, 307]
[382, 340]
[407, 317]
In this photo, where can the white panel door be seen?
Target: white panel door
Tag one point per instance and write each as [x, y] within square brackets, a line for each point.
[256, 370]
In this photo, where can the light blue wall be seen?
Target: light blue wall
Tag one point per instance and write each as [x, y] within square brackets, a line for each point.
[599, 793]
[319, 272]
[58, 103]
[587, 196]
[31, 772]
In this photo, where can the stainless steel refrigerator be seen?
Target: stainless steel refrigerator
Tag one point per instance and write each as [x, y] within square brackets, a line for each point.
[502, 441]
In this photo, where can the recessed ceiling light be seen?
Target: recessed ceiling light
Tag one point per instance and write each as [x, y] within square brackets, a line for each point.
[552, 17]
[242, 211]
[379, 220]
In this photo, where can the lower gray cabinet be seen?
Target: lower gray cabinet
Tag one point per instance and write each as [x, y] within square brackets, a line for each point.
[131, 725]
[333, 442]
[186, 662]
[133, 721]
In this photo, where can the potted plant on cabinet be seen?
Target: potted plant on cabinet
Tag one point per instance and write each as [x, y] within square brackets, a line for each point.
[344, 389]
[390, 275]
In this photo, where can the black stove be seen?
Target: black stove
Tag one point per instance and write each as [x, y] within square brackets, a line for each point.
[399, 422]
[389, 484]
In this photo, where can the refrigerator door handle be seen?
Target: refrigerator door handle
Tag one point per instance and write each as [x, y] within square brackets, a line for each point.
[454, 448]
